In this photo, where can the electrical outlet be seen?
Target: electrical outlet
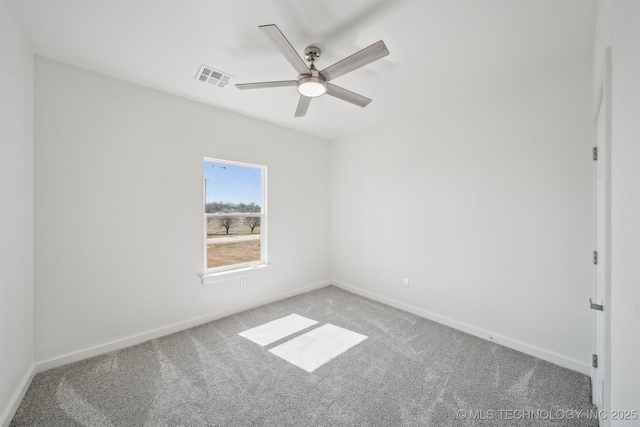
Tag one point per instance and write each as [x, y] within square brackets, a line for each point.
[405, 282]
[243, 283]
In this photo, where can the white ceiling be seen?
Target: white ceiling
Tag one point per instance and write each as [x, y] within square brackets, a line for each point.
[437, 48]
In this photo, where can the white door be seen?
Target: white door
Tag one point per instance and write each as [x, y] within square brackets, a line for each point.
[601, 256]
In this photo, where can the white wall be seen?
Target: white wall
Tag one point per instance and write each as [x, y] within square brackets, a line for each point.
[618, 26]
[484, 204]
[119, 225]
[16, 215]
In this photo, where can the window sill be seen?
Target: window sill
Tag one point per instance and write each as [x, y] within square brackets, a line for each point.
[222, 276]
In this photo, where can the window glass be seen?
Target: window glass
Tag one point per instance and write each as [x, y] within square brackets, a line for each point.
[235, 214]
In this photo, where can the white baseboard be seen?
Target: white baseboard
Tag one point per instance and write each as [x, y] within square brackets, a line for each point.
[17, 396]
[540, 353]
[177, 327]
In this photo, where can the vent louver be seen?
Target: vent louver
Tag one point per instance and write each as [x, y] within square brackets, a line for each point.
[212, 76]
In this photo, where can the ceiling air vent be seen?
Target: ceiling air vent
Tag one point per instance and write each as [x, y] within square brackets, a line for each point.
[212, 76]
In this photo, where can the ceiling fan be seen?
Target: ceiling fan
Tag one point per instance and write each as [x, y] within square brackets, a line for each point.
[312, 83]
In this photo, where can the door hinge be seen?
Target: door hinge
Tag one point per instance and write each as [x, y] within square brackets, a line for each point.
[594, 360]
[595, 257]
[595, 153]
[593, 306]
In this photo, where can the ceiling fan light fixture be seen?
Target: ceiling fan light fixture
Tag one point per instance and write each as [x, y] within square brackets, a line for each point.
[312, 87]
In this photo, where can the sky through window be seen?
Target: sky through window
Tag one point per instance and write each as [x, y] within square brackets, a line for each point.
[229, 183]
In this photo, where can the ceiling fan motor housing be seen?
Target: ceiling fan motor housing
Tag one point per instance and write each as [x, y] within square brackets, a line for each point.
[312, 85]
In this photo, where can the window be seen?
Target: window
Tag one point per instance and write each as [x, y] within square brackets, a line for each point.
[235, 215]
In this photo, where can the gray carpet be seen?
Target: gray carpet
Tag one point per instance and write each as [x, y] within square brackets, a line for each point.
[408, 372]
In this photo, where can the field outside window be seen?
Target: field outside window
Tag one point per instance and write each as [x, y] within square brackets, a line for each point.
[234, 215]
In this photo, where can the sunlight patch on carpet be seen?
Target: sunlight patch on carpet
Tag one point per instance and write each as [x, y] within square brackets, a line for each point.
[277, 329]
[317, 347]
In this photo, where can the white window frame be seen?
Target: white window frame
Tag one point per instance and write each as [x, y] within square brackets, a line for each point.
[209, 272]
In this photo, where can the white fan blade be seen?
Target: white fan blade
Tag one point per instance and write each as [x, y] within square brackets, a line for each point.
[303, 106]
[346, 95]
[280, 41]
[262, 85]
[359, 59]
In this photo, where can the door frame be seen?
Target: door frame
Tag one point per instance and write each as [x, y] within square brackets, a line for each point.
[602, 344]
